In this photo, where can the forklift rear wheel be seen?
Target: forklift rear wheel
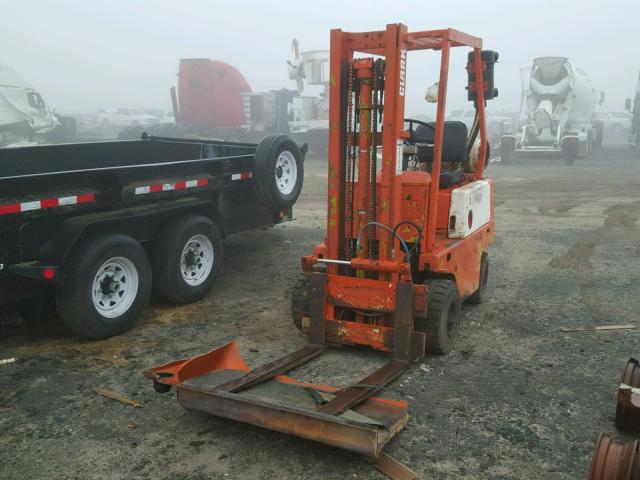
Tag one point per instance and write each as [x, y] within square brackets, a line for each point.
[477, 297]
[107, 285]
[279, 171]
[300, 302]
[443, 315]
[187, 258]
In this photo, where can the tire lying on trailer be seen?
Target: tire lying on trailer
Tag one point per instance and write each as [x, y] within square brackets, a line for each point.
[279, 168]
[107, 284]
[187, 258]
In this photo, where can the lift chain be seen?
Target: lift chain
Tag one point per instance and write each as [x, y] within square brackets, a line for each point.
[350, 157]
[378, 88]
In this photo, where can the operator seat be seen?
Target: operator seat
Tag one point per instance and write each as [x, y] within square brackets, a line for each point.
[454, 149]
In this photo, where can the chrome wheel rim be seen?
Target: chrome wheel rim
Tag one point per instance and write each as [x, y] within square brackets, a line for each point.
[196, 261]
[115, 287]
[286, 172]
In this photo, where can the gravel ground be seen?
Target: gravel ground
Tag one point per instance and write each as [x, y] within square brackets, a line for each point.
[516, 399]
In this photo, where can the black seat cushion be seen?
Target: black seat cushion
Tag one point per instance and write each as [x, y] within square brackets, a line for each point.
[453, 146]
[448, 179]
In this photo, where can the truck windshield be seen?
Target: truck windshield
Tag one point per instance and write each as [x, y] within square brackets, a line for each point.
[35, 100]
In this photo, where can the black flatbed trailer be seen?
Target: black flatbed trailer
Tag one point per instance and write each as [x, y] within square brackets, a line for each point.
[95, 223]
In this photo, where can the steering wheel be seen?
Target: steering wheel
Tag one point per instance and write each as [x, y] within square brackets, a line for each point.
[411, 121]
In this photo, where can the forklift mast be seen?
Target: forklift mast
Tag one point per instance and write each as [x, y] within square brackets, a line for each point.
[391, 46]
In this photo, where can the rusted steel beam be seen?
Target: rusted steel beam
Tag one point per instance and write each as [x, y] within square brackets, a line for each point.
[346, 399]
[270, 370]
[393, 468]
[403, 324]
[615, 460]
[363, 438]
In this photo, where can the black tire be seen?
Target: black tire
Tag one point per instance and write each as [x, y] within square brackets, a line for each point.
[598, 135]
[589, 146]
[267, 171]
[478, 296]
[507, 149]
[570, 153]
[443, 316]
[74, 297]
[168, 280]
[300, 302]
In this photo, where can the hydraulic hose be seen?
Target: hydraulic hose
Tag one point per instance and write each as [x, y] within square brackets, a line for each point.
[392, 232]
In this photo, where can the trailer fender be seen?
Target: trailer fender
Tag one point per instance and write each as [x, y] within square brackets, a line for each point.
[142, 224]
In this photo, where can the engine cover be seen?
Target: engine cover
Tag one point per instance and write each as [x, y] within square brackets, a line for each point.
[470, 208]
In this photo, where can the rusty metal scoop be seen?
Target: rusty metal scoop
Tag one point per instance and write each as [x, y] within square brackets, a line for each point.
[206, 383]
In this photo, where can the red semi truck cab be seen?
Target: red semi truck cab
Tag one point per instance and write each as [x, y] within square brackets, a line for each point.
[210, 93]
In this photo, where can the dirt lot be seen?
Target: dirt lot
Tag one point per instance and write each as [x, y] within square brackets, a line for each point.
[517, 399]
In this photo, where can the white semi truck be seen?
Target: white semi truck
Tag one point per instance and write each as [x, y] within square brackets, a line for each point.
[556, 112]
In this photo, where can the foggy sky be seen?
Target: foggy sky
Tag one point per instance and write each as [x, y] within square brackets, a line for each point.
[84, 55]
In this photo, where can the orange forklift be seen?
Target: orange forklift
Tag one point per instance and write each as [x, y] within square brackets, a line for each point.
[410, 216]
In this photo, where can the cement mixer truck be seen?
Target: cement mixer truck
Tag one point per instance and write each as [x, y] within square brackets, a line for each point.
[556, 112]
[633, 107]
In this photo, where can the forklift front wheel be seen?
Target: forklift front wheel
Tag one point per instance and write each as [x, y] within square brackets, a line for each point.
[443, 315]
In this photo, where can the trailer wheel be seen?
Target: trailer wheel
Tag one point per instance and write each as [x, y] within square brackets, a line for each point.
[279, 171]
[477, 297]
[443, 315]
[187, 258]
[300, 302]
[107, 284]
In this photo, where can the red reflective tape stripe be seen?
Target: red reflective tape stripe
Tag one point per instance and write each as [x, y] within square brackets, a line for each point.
[49, 203]
[155, 188]
[245, 175]
[6, 209]
[86, 197]
[181, 185]
[202, 182]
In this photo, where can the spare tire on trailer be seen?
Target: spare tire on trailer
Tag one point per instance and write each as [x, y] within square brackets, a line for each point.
[279, 171]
